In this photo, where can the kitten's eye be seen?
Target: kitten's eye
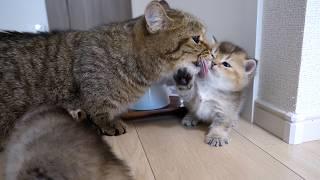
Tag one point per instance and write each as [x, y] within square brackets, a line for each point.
[225, 64]
[196, 39]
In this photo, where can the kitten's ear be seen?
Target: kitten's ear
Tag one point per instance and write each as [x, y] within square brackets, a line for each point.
[250, 66]
[214, 40]
[156, 17]
[215, 46]
[164, 4]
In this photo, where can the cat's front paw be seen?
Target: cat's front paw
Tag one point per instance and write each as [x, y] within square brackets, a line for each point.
[78, 115]
[189, 122]
[216, 141]
[183, 79]
[114, 128]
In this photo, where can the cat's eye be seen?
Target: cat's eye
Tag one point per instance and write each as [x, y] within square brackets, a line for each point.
[225, 64]
[196, 39]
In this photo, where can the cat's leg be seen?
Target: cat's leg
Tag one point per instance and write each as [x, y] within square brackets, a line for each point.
[220, 128]
[189, 121]
[103, 106]
[103, 125]
[2, 142]
[103, 113]
[78, 115]
[7, 122]
[108, 124]
[115, 127]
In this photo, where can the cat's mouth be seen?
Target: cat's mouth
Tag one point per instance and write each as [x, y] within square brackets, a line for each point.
[203, 65]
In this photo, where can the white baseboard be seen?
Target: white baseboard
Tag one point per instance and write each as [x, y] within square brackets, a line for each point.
[290, 127]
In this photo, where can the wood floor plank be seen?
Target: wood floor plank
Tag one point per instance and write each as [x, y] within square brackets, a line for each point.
[177, 153]
[128, 148]
[304, 158]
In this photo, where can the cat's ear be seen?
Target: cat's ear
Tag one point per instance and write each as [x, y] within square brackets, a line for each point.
[156, 17]
[250, 65]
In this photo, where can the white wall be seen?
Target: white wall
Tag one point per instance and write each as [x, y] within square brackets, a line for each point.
[288, 100]
[86, 14]
[22, 15]
[231, 20]
[281, 43]
[308, 103]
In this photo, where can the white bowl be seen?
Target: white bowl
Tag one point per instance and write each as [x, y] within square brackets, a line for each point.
[156, 97]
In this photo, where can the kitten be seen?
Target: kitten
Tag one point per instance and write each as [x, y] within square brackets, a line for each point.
[47, 143]
[217, 97]
[102, 71]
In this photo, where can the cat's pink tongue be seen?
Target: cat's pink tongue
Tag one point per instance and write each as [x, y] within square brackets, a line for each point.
[203, 68]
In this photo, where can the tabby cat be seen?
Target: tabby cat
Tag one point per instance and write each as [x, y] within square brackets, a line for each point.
[101, 71]
[48, 144]
[216, 94]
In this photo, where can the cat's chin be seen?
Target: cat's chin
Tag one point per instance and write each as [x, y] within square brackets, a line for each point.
[196, 63]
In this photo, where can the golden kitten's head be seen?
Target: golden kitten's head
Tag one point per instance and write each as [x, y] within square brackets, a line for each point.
[231, 69]
[178, 37]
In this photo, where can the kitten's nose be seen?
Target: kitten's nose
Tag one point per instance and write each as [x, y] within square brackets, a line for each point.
[213, 64]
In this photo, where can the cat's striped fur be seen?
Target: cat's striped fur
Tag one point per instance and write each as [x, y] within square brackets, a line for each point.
[101, 71]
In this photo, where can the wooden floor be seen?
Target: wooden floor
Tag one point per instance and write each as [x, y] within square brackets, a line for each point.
[160, 148]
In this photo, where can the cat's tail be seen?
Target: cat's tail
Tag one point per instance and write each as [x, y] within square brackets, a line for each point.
[31, 170]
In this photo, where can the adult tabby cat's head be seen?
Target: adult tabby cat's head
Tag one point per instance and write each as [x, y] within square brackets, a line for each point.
[231, 69]
[176, 36]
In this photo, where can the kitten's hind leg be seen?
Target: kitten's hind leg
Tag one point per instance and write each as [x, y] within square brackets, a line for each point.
[189, 121]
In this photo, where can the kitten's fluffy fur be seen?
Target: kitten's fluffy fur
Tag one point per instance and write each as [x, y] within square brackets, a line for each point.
[101, 71]
[48, 144]
[219, 96]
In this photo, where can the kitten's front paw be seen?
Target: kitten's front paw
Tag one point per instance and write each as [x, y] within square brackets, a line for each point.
[183, 79]
[114, 128]
[189, 122]
[216, 141]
